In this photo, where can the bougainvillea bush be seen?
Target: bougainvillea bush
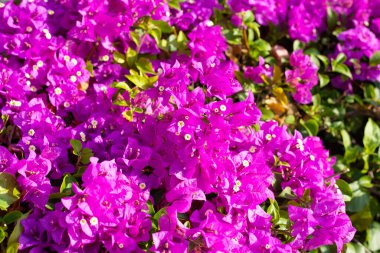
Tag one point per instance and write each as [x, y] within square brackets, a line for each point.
[189, 126]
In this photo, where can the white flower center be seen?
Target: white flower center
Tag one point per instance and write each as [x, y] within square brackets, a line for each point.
[94, 221]
[58, 91]
[31, 132]
[73, 79]
[181, 123]
[105, 58]
[74, 61]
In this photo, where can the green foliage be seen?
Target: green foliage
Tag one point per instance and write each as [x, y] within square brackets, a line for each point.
[375, 59]
[67, 183]
[371, 138]
[13, 245]
[373, 235]
[274, 211]
[84, 154]
[338, 66]
[9, 192]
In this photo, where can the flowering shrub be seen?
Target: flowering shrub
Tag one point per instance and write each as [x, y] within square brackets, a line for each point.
[189, 126]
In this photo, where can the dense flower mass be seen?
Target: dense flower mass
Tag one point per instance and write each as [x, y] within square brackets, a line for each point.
[125, 127]
[303, 76]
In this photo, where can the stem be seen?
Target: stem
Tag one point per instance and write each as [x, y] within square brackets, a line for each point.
[337, 174]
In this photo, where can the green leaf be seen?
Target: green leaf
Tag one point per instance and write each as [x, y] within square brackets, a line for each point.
[332, 18]
[266, 114]
[90, 68]
[156, 34]
[255, 29]
[311, 126]
[145, 66]
[182, 40]
[258, 48]
[323, 59]
[327, 249]
[345, 189]
[160, 213]
[150, 207]
[162, 25]
[316, 101]
[274, 211]
[140, 81]
[341, 58]
[298, 45]
[4, 118]
[15, 235]
[355, 248]
[152, 80]
[128, 115]
[342, 69]
[290, 120]
[12, 217]
[58, 196]
[374, 206]
[8, 190]
[338, 65]
[233, 36]
[174, 4]
[287, 193]
[362, 220]
[262, 45]
[121, 85]
[12, 248]
[306, 196]
[86, 154]
[371, 139]
[352, 154]
[346, 138]
[358, 202]
[119, 57]
[311, 51]
[248, 17]
[315, 60]
[135, 37]
[76, 145]
[323, 80]
[3, 234]
[373, 237]
[365, 158]
[370, 92]
[156, 217]
[366, 182]
[131, 56]
[50, 206]
[67, 183]
[375, 59]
